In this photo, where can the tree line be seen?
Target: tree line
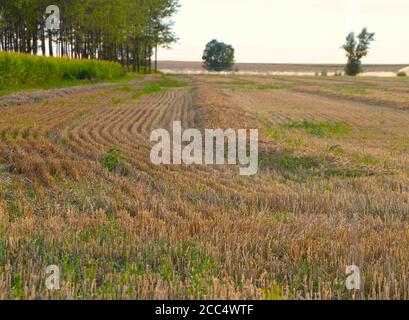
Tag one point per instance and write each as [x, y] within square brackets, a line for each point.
[124, 31]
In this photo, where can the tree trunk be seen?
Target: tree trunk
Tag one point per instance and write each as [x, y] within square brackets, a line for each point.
[50, 43]
[42, 41]
[138, 61]
[156, 58]
[35, 44]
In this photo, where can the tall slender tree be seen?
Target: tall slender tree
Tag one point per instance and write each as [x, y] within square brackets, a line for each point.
[356, 50]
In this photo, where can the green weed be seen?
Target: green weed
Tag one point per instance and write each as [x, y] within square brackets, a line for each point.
[165, 82]
[322, 129]
[352, 90]
[113, 161]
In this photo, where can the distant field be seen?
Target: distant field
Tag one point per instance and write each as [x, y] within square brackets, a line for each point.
[78, 190]
[263, 67]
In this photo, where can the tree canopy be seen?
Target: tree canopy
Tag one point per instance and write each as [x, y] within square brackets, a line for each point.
[218, 56]
[117, 30]
[356, 50]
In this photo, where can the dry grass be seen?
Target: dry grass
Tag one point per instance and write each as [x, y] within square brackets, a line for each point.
[326, 195]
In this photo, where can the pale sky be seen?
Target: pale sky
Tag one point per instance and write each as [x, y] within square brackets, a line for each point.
[291, 31]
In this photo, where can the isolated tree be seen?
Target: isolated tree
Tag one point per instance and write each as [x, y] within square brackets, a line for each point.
[218, 56]
[356, 49]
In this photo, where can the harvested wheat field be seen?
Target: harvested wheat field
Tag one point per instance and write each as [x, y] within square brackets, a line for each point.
[78, 190]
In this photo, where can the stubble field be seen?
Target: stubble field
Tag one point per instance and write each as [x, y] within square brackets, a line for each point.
[78, 190]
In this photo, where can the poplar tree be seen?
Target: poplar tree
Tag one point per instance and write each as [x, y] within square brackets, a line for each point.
[356, 49]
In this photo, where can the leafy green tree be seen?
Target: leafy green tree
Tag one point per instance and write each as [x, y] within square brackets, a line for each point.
[356, 50]
[218, 56]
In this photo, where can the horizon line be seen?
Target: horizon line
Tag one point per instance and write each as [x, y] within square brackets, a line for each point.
[288, 63]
